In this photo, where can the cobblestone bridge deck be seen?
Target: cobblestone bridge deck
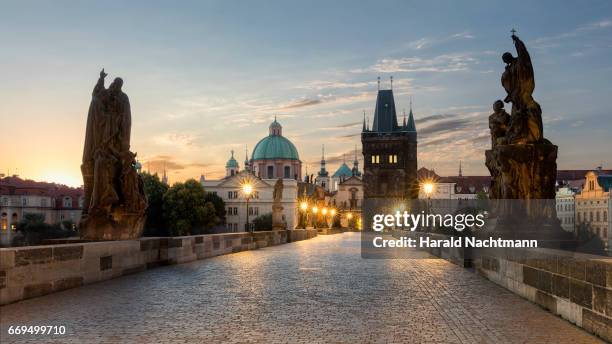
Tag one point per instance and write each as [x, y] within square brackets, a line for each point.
[312, 291]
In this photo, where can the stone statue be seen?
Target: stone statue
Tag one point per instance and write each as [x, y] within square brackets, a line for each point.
[499, 122]
[115, 202]
[277, 209]
[519, 82]
[521, 161]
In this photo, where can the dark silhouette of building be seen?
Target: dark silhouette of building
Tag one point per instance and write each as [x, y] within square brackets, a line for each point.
[390, 152]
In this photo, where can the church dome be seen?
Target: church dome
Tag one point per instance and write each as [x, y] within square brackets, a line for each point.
[232, 163]
[275, 146]
[343, 171]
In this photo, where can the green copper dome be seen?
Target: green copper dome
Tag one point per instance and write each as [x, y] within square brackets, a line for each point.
[232, 163]
[275, 146]
[343, 171]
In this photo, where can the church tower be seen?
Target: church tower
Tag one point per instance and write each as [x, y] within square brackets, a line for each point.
[390, 153]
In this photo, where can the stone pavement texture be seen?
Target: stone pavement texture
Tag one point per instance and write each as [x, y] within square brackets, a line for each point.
[314, 291]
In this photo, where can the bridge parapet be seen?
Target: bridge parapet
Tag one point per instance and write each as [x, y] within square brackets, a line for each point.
[31, 271]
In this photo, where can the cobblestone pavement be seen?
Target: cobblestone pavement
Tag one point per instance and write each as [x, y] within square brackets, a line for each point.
[313, 291]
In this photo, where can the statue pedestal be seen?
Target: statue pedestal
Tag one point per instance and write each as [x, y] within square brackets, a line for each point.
[523, 171]
[278, 224]
[118, 226]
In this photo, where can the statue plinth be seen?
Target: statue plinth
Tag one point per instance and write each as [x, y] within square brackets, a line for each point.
[118, 226]
[278, 224]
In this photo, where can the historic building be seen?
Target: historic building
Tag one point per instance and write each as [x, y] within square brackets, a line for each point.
[565, 204]
[322, 179]
[260, 202]
[275, 156]
[55, 202]
[594, 204]
[389, 152]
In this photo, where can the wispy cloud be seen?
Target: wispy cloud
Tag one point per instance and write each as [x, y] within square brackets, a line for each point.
[426, 42]
[555, 41]
[437, 64]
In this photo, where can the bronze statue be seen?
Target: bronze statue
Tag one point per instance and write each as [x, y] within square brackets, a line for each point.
[115, 202]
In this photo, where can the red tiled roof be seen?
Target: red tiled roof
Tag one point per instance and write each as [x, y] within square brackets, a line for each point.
[17, 186]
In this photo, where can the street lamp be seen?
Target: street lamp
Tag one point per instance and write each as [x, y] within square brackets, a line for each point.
[247, 190]
[304, 208]
[315, 210]
[428, 187]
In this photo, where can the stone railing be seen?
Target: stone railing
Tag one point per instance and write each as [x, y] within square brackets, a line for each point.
[575, 286]
[32, 271]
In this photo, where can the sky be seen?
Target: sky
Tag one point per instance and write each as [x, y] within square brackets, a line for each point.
[208, 77]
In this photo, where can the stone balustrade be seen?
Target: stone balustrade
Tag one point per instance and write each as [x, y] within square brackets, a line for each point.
[31, 271]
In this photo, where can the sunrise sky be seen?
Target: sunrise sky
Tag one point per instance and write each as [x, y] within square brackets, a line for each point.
[207, 77]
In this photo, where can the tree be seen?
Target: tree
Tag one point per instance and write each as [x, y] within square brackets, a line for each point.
[154, 190]
[34, 229]
[219, 205]
[263, 222]
[186, 211]
[587, 240]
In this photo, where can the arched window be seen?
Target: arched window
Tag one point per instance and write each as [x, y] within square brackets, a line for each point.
[270, 172]
[67, 202]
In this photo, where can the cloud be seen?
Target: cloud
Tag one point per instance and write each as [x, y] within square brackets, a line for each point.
[426, 42]
[302, 103]
[423, 120]
[159, 163]
[444, 126]
[555, 41]
[438, 64]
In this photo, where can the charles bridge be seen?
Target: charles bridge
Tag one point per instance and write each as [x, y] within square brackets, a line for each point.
[305, 291]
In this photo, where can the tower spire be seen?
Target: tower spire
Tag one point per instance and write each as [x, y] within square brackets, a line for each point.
[364, 121]
[392, 82]
[460, 172]
[404, 124]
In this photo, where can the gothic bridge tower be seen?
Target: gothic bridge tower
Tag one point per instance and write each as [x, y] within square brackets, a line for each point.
[389, 152]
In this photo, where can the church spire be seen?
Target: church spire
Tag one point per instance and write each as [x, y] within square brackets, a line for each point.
[404, 124]
[323, 172]
[460, 172]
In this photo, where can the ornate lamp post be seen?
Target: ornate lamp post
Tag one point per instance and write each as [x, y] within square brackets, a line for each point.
[247, 190]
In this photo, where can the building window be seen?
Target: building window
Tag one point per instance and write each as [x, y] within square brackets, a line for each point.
[24, 201]
[393, 159]
[67, 202]
[376, 159]
[43, 202]
[597, 216]
[287, 172]
[591, 216]
[605, 216]
[4, 200]
[270, 172]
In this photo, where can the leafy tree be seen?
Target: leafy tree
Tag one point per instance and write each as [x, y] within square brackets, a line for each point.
[263, 222]
[588, 241]
[186, 211]
[219, 205]
[34, 229]
[154, 190]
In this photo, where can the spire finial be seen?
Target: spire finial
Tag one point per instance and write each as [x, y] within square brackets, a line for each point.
[232, 153]
[323, 151]
[379, 83]
[411, 103]
[391, 81]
